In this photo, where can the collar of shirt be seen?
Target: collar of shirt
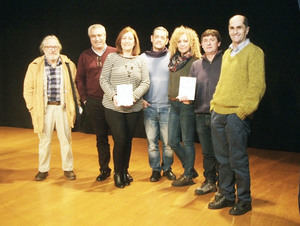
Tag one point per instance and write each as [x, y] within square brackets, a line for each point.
[240, 46]
[58, 63]
[100, 53]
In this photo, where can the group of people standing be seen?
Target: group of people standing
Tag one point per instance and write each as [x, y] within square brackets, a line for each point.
[229, 88]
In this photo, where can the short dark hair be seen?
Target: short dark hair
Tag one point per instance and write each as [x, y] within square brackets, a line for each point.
[211, 32]
[245, 22]
[162, 29]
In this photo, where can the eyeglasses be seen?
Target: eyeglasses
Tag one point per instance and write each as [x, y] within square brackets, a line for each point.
[51, 47]
[99, 63]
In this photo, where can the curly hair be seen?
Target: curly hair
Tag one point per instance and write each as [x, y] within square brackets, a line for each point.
[192, 37]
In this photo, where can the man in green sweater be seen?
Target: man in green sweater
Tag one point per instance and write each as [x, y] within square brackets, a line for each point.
[240, 88]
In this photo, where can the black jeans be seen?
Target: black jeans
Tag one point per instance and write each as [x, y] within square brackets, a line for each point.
[122, 126]
[95, 112]
[203, 128]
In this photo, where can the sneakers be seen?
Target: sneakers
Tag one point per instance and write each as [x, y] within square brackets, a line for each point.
[41, 176]
[220, 202]
[240, 208]
[155, 176]
[206, 188]
[70, 175]
[183, 181]
[169, 174]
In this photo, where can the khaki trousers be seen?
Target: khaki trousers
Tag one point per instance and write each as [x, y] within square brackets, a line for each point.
[55, 117]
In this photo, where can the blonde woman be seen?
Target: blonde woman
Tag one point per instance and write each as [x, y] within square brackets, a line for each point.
[184, 50]
[124, 67]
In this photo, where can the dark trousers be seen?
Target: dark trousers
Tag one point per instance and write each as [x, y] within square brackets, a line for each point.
[230, 136]
[95, 112]
[203, 128]
[122, 126]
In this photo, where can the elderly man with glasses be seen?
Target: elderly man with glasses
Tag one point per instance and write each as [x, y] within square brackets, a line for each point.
[49, 98]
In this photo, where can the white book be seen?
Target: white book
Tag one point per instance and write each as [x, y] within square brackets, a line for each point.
[187, 88]
[125, 95]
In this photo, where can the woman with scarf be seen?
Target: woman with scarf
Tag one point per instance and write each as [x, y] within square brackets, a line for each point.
[184, 50]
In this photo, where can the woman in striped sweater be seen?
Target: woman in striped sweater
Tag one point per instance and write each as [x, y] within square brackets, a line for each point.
[124, 67]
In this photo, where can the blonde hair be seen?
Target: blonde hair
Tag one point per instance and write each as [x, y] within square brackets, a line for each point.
[192, 37]
[48, 37]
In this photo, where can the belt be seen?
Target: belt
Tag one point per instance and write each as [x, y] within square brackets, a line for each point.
[173, 99]
[53, 102]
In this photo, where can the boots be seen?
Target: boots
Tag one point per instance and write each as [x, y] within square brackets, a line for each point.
[119, 180]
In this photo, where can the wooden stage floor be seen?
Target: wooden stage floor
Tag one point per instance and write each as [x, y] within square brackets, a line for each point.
[56, 201]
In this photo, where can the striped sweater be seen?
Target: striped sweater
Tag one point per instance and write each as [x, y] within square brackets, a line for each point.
[118, 70]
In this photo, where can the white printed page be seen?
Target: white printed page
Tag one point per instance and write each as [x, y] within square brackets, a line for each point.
[187, 88]
[125, 95]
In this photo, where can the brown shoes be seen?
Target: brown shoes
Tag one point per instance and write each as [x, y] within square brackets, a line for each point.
[41, 176]
[70, 175]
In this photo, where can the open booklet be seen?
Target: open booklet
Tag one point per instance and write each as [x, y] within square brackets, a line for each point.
[125, 95]
[187, 88]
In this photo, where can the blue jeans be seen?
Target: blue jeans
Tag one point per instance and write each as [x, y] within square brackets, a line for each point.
[182, 125]
[156, 126]
[230, 137]
[203, 127]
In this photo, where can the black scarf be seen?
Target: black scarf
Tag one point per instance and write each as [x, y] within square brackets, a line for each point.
[177, 61]
[157, 54]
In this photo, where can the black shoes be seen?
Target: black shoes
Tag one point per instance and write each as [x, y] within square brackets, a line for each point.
[70, 175]
[119, 180]
[194, 173]
[169, 174]
[122, 179]
[206, 188]
[240, 208]
[103, 175]
[220, 202]
[155, 176]
[128, 176]
[41, 176]
[183, 181]
[126, 179]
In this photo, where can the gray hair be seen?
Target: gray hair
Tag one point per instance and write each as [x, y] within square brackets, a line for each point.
[42, 45]
[93, 26]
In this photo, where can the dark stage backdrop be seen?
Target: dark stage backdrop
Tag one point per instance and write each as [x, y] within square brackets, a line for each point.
[274, 26]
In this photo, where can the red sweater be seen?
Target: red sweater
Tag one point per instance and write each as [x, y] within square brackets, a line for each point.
[88, 73]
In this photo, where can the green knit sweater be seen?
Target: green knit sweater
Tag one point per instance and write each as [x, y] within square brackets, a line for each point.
[242, 82]
[174, 78]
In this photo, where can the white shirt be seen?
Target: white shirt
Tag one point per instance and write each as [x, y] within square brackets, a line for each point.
[239, 48]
